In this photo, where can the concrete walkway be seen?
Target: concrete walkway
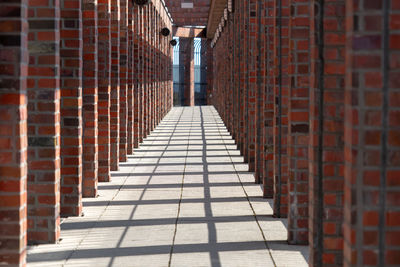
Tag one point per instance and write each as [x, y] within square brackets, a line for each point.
[184, 198]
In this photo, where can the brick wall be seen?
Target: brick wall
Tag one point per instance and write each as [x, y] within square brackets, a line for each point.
[44, 122]
[13, 140]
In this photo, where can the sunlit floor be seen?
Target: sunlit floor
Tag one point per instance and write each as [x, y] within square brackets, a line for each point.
[184, 198]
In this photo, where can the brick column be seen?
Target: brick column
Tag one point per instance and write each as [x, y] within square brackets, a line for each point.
[137, 75]
[71, 107]
[44, 122]
[141, 75]
[104, 77]
[298, 121]
[260, 136]
[210, 72]
[372, 134]
[123, 75]
[158, 73]
[269, 101]
[131, 58]
[252, 83]
[90, 98]
[187, 46]
[281, 93]
[13, 132]
[236, 69]
[145, 70]
[157, 43]
[114, 108]
[326, 159]
[152, 33]
[243, 79]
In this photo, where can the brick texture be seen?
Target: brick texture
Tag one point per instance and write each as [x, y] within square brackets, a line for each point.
[269, 100]
[372, 134]
[123, 76]
[44, 122]
[281, 96]
[130, 80]
[90, 97]
[104, 91]
[115, 67]
[326, 158]
[137, 76]
[298, 121]
[13, 140]
[82, 83]
[71, 107]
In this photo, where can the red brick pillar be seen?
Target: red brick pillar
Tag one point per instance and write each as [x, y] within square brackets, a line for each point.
[114, 108]
[187, 44]
[299, 69]
[123, 75]
[157, 42]
[372, 134]
[44, 122]
[252, 83]
[13, 129]
[131, 58]
[269, 100]
[157, 68]
[281, 97]
[137, 75]
[71, 107]
[243, 79]
[227, 43]
[151, 30]
[326, 158]
[260, 100]
[90, 98]
[146, 87]
[141, 73]
[104, 77]
[236, 76]
[210, 72]
[154, 67]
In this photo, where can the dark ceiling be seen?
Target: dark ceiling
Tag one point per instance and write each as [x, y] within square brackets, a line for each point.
[196, 16]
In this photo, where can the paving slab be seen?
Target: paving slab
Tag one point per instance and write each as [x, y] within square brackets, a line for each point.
[184, 198]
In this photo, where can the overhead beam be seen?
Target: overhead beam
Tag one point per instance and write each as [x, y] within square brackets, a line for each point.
[189, 32]
[214, 17]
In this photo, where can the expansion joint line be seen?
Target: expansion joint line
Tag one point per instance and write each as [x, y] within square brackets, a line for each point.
[248, 200]
[181, 195]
